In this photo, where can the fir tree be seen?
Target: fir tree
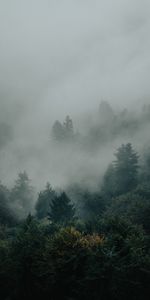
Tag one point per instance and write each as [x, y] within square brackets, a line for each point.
[126, 168]
[61, 210]
[44, 199]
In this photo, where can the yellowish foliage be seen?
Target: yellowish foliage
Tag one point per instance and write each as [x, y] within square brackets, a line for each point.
[91, 241]
[72, 238]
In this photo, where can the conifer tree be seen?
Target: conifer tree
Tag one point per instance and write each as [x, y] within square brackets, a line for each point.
[44, 199]
[126, 168]
[62, 211]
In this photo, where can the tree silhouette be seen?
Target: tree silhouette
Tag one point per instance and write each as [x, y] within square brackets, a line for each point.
[61, 210]
[126, 168]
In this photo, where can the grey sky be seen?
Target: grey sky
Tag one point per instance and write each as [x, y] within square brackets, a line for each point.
[66, 53]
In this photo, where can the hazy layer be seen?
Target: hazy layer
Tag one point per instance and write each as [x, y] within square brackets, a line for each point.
[63, 57]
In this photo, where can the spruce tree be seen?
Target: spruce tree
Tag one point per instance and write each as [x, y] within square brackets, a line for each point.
[44, 199]
[22, 195]
[62, 211]
[126, 168]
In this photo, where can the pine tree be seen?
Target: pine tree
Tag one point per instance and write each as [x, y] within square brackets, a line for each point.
[7, 217]
[22, 195]
[44, 199]
[126, 168]
[61, 210]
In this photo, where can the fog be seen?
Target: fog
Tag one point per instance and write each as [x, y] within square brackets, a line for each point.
[65, 57]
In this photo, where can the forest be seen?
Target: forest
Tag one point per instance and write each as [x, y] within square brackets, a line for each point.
[74, 150]
[80, 240]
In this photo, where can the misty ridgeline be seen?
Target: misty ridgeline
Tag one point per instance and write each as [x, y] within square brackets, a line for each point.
[85, 233]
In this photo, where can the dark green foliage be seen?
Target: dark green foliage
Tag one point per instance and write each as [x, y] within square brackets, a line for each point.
[26, 251]
[7, 217]
[43, 203]
[134, 206]
[62, 210]
[104, 254]
[122, 175]
[127, 251]
[126, 168]
[93, 205]
[145, 168]
[111, 264]
[6, 279]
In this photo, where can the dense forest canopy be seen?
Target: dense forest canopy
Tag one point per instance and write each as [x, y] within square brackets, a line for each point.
[83, 241]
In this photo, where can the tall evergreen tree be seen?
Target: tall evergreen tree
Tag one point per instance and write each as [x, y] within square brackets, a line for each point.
[22, 195]
[44, 199]
[7, 217]
[62, 211]
[126, 168]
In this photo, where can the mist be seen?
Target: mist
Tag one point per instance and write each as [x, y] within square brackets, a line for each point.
[63, 58]
[74, 149]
